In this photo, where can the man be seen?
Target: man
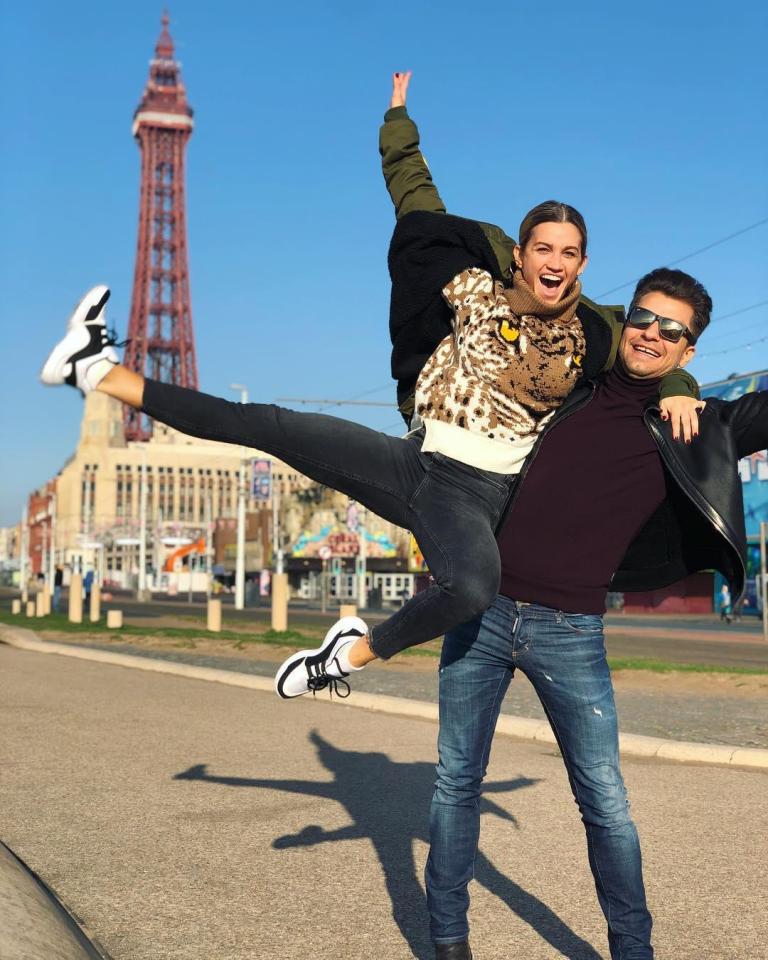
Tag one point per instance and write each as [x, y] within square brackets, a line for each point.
[606, 490]
[605, 499]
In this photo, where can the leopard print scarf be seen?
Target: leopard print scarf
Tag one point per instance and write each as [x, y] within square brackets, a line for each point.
[524, 302]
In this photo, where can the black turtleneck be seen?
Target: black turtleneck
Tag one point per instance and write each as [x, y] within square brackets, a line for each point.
[595, 480]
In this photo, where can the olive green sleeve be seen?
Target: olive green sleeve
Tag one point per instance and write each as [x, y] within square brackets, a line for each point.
[679, 383]
[405, 170]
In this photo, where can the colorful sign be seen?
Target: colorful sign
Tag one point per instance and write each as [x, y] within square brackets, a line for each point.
[416, 561]
[261, 480]
[342, 543]
[753, 470]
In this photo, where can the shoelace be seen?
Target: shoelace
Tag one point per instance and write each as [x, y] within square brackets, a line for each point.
[315, 684]
[110, 339]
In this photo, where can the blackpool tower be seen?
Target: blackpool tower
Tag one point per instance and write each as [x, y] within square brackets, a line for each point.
[161, 340]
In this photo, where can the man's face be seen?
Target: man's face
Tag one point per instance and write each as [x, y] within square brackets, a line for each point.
[644, 353]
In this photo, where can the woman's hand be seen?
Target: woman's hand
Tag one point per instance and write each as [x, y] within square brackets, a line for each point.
[684, 414]
[400, 83]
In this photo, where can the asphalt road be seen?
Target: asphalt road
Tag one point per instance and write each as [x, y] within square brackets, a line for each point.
[183, 819]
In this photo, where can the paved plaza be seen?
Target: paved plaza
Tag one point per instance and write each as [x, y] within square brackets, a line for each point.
[185, 819]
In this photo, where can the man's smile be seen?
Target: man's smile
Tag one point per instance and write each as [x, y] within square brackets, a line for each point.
[642, 348]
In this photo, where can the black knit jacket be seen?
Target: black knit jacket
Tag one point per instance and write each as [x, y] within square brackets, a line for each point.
[426, 252]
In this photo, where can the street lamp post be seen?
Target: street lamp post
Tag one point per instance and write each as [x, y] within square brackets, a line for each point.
[763, 581]
[208, 546]
[143, 526]
[52, 554]
[240, 560]
[362, 592]
[277, 551]
[23, 550]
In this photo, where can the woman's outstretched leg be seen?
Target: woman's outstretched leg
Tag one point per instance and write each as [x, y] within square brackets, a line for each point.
[124, 385]
[388, 475]
[380, 471]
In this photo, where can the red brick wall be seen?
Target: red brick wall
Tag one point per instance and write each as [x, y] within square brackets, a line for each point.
[692, 595]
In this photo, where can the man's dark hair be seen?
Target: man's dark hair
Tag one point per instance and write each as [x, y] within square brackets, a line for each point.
[680, 286]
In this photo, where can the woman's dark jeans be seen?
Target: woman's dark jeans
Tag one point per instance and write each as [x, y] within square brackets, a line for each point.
[451, 508]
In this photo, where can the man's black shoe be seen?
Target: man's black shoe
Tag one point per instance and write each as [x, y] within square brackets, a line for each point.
[453, 951]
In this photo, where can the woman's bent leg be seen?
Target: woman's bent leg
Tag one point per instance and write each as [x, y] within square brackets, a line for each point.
[455, 512]
[452, 508]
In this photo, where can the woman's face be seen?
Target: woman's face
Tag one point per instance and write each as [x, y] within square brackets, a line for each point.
[551, 260]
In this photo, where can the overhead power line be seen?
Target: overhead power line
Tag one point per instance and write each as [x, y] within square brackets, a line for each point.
[736, 313]
[729, 333]
[334, 403]
[741, 346]
[694, 253]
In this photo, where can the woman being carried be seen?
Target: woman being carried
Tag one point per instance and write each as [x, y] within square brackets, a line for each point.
[509, 359]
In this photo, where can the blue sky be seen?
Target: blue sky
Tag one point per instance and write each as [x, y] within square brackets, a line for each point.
[650, 118]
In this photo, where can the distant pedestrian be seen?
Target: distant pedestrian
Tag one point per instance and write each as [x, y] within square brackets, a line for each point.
[58, 582]
[726, 607]
[88, 585]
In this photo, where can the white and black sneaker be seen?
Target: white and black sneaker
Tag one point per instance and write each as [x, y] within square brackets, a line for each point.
[317, 669]
[90, 307]
[87, 352]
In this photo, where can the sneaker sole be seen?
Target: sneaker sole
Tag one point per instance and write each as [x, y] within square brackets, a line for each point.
[54, 371]
[332, 637]
[87, 310]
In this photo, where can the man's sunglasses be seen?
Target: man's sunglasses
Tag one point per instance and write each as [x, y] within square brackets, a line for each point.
[669, 329]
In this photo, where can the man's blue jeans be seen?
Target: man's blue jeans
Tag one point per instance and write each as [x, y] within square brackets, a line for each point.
[563, 655]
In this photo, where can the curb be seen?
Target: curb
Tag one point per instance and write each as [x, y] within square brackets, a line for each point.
[35, 922]
[630, 744]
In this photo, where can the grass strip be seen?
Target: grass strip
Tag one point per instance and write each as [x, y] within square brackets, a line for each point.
[60, 623]
[662, 666]
[296, 639]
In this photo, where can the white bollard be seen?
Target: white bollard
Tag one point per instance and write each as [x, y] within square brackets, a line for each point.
[30, 608]
[114, 619]
[76, 598]
[40, 604]
[280, 601]
[214, 616]
[347, 610]
[95, 611]
[15, 606]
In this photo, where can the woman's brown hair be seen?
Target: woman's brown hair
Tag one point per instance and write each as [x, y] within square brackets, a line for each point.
[552, 211]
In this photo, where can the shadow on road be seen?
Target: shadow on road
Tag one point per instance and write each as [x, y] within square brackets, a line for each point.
[388, 804]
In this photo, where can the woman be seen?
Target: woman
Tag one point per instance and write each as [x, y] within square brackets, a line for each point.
[510, 358]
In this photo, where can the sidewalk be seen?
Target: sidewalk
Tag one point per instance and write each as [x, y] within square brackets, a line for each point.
[722, 709]
[184, 820]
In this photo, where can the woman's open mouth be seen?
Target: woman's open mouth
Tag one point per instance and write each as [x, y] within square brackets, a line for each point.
[550, 282]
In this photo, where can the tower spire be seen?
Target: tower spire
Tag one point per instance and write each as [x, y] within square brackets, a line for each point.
[164, 45]
[161, 339]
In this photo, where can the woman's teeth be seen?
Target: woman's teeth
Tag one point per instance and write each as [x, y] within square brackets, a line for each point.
[550, 281]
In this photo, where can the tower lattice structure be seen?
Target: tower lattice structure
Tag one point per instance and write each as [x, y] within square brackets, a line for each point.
[161, 339]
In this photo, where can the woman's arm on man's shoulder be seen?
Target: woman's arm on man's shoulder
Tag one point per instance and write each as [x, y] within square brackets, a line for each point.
[405, 170]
